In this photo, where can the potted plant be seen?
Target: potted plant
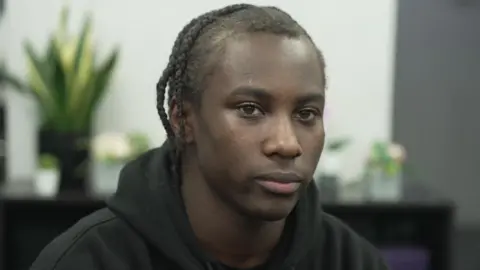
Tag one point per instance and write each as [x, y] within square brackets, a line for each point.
[68, 83]
[111, 152]
[47, 175]
[384, 170]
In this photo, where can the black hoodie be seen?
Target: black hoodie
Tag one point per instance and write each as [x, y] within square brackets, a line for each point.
[145, 227]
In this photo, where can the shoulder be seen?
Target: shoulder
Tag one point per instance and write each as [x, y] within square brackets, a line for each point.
[95, 239]
[342, 244]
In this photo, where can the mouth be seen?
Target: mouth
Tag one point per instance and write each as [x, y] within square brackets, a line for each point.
[280, 183]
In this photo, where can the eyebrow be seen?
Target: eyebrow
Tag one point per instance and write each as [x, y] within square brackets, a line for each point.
[263, 94]
[256, 92]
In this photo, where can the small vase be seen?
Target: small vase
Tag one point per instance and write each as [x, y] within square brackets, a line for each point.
[383, 186]
[105, 177]
[47, 182]
[72, 152]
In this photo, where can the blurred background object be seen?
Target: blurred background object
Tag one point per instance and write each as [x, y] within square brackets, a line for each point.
[111, 152]
[47, 177]
[384, 171]
[68, 83]
[328, 172]
[400, 163]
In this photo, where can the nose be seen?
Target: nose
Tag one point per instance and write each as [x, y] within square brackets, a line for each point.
[282, 140]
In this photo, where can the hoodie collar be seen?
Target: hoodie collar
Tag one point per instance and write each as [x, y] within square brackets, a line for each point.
[149, 200]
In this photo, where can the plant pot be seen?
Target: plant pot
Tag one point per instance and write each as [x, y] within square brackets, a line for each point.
[72, 151]
[46, 182]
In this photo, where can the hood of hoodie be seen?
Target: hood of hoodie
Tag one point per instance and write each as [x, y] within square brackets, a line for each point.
[149, 200]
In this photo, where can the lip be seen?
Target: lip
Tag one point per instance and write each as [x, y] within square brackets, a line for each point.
[281, 183]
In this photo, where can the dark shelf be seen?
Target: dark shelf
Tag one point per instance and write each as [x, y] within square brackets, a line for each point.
[28, 223]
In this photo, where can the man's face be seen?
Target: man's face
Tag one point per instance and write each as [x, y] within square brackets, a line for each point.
[259, 132]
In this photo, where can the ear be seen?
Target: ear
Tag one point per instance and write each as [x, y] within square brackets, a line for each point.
[185, 118]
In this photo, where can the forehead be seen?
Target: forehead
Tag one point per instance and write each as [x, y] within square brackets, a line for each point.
[271, 62]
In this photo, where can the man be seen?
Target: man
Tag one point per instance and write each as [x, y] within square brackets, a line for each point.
[231, 188]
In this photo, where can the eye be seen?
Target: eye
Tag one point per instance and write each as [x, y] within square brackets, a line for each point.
[249, 110]
[307, 115]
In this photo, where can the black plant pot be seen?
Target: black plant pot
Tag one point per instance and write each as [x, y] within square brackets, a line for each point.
[73, 153]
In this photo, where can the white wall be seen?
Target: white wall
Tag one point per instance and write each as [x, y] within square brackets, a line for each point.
[357, 38]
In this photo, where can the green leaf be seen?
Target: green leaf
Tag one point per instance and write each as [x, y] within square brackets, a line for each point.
[337, 144]
[47, 161]
[16, 83]
[40, 83]
[60, 89]
[61, 34]
[83, 44]
[98, 88]
[81, 74]
[48, 59]
[55, 72]
[139, 143]
[104, 75]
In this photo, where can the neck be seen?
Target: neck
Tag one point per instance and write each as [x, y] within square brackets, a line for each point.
[226, 234]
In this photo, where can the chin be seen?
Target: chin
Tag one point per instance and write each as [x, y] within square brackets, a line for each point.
[272, 211]
[273, 215]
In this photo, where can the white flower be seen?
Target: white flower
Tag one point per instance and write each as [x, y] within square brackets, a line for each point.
[397, 152]
[110, 146]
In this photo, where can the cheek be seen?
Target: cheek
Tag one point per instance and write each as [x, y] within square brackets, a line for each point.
[224, 141]
[235, 139]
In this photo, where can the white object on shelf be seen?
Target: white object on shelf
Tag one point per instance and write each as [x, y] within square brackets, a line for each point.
[105, 177]
[47, 182]
[385, 187]
[329, 165]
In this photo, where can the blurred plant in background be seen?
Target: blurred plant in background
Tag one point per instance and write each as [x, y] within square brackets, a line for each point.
[47, 175]
[336, 144]
[333, 144]
[67, 81]
[386, 157]
[119, 148]
[384, 171]
[111, 152]
[6, 78]
[48, 162]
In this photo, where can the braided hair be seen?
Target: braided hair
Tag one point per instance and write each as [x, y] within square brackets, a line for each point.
[198, 47]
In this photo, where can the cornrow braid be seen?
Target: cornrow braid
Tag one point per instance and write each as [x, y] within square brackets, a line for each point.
[167, 78]
[174, 73]
[197, 48]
